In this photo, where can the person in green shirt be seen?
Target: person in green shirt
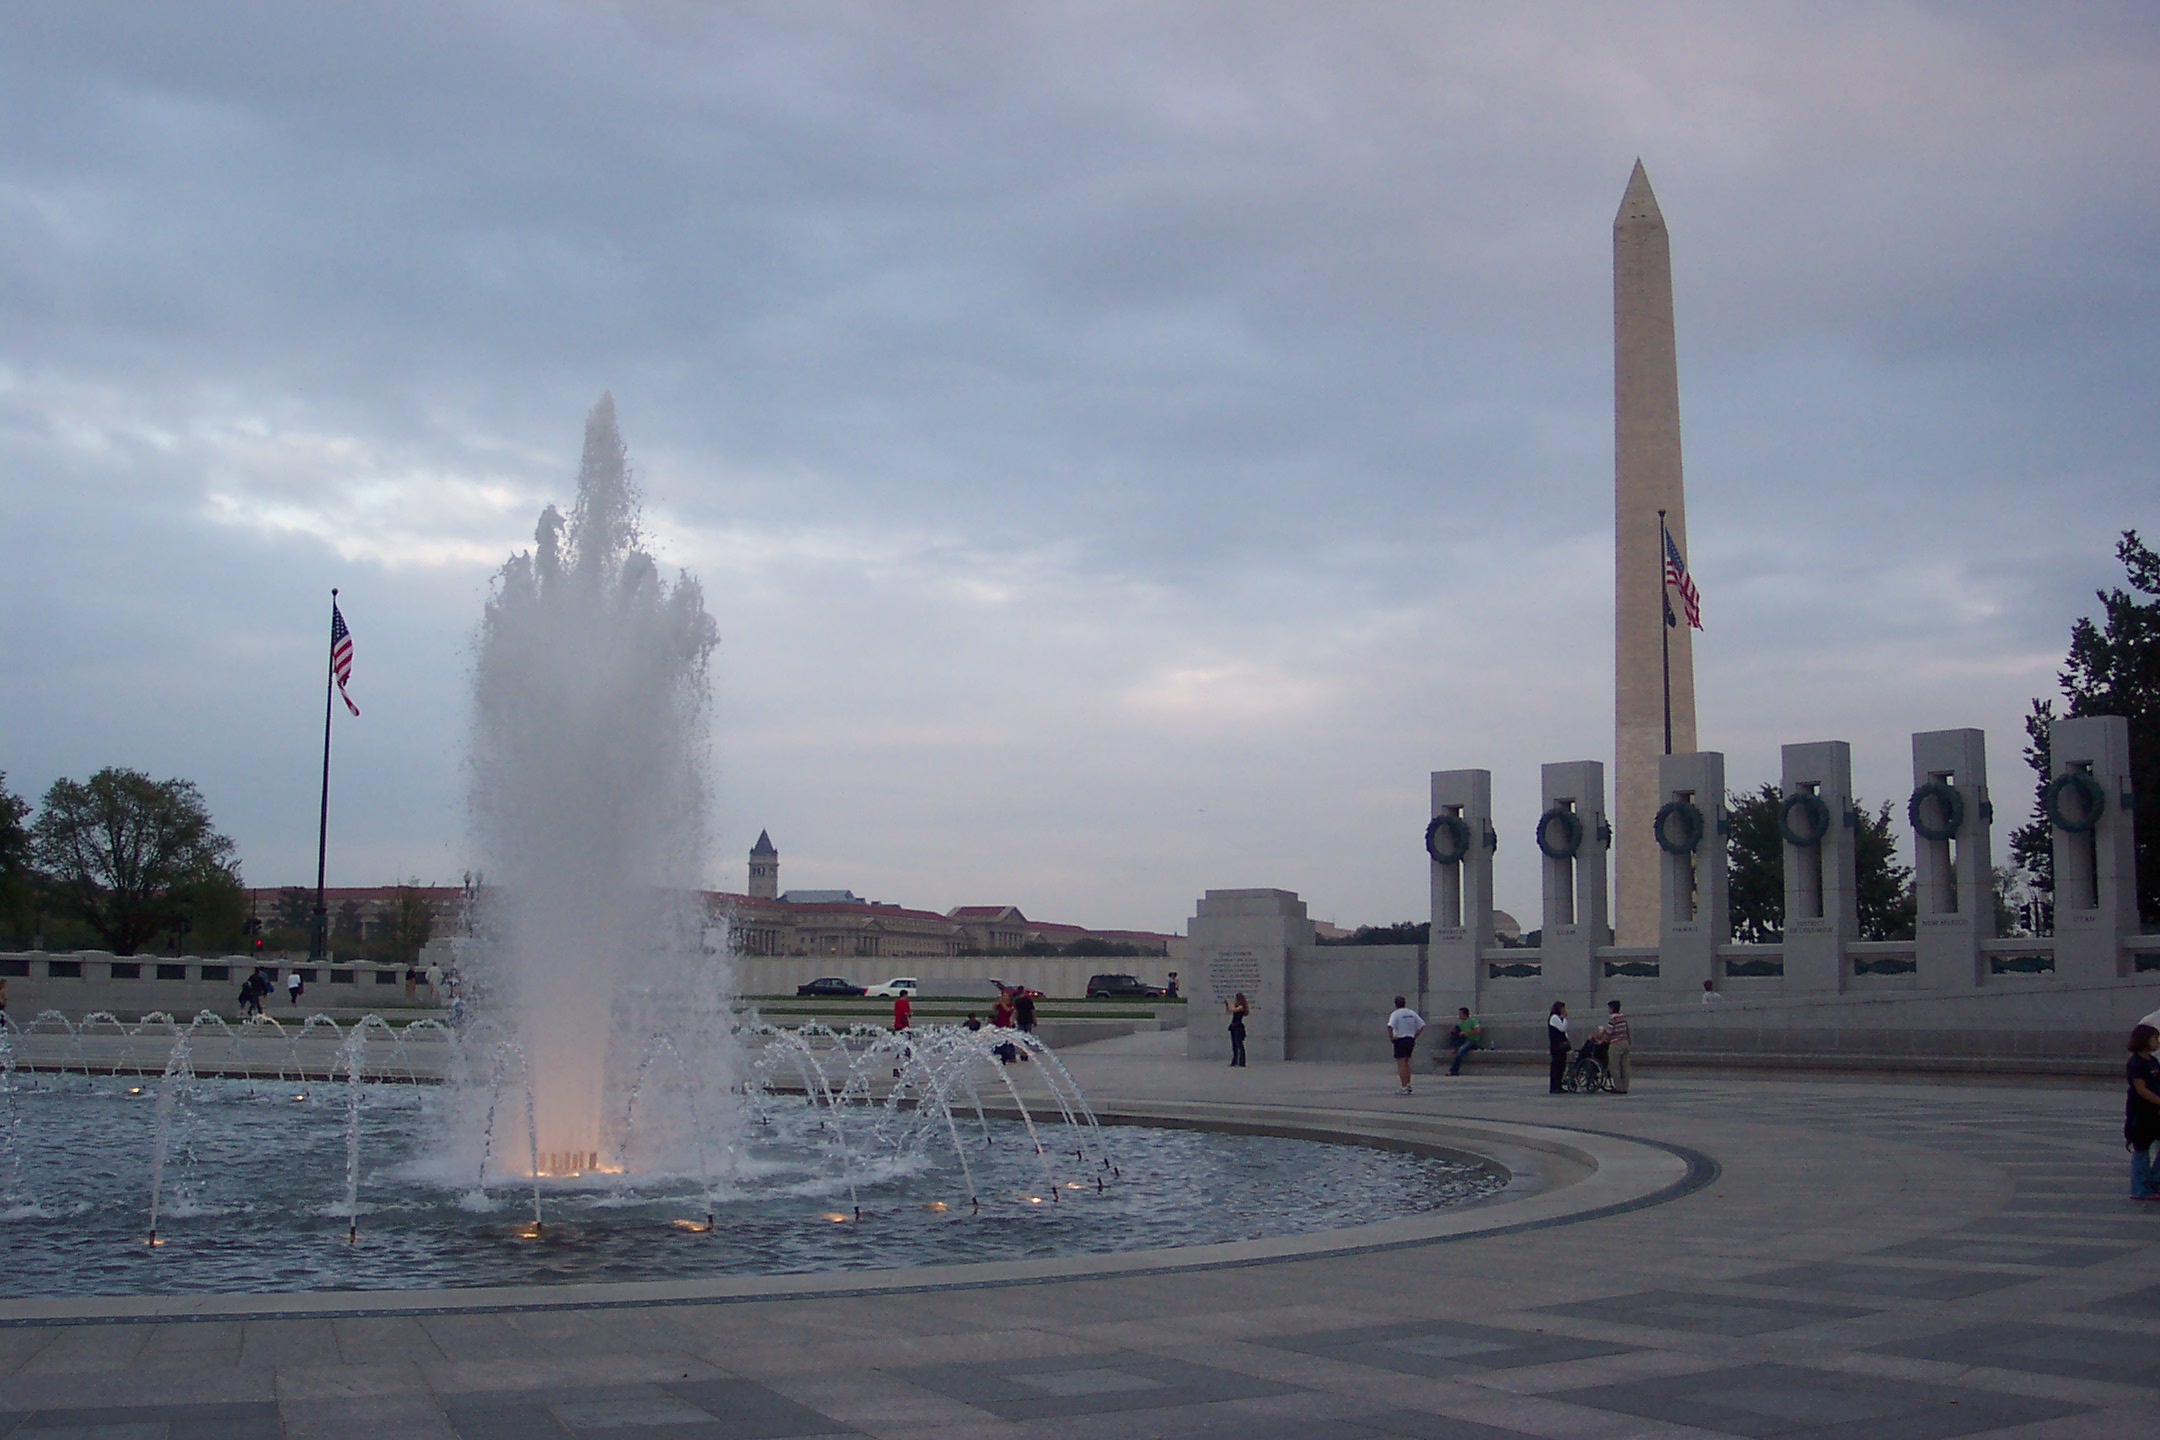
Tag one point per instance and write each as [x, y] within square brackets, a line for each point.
[1467, 1034]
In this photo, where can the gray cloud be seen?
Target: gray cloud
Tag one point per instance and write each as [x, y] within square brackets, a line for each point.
[1125, 446]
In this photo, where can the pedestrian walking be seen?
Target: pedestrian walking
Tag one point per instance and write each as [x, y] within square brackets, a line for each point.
[1239, 1008]
[2141, 1114]
[1404, 1025]
[1468, 1035]
[293, 987]
[1556, 1044]
[1619, 1040]
[434, 983]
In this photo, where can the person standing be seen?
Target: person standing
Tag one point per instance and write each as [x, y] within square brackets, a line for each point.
[1556, 1044]
[903, 1013]
[1468, 1034]
[1710, 997]
[434, 983]
[1239, 1008]
[2141, 1114]
[1404, 1025]
[1618, 1042]
[1170, 989]
[1001, 1016]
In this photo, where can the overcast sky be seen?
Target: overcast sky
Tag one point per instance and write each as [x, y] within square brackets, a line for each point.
[1125, 446]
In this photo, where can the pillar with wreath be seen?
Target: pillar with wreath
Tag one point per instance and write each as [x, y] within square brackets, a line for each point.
[2090, 809]
[1693, 836]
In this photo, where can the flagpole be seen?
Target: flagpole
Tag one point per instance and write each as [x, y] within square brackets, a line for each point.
[319, 939]
[1664, 635]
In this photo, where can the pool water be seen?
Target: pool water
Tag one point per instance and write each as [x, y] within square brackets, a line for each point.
[253, 1195]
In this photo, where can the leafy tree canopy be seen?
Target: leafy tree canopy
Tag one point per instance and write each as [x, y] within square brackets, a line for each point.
[2113, 668]
[136, 857]
[1757, 872]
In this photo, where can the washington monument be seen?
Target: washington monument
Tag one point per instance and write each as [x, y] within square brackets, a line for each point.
[1646, 479]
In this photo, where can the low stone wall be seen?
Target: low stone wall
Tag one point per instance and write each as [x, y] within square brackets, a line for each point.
[87, 981]
[1340, 997]
[1337, 996]
[1060, 976]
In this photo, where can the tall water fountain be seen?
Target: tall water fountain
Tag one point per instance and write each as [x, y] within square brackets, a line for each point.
[588, 809]
[602, 1081]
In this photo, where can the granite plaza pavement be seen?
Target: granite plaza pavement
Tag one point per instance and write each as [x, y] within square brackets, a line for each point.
[1890, 1259]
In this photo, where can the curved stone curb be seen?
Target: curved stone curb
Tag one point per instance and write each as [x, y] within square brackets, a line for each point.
[1557, 1176]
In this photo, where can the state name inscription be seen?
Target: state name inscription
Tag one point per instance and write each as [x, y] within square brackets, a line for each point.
[1232, 971]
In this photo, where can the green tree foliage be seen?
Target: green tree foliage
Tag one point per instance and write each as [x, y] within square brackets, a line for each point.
[2113, 668]
[18, 882]
[1756, 861]
[1885, 900]
[136, 857]
[1402, 932]
[2032, 845]
[412, 922]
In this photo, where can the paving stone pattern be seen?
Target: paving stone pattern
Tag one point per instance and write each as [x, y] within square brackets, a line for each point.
[1876, 1260]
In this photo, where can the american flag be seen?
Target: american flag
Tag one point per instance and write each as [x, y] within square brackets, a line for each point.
[341, 654]
[1676, 576]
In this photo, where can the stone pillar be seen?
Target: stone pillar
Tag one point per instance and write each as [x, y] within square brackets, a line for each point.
[2095, 846]
[1953, 873]
[1240, 940]
[1694, 913]
[1821, 880]
[1575, 885]
[1462, 891]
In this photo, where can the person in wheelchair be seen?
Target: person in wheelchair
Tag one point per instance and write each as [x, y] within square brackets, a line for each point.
[1592, 1063]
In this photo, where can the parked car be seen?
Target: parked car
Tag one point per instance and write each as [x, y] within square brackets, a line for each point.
[1122, 987]
[899, 985]
[832, 987]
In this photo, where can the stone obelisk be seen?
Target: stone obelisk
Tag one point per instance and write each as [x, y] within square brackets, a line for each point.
[1646, 479]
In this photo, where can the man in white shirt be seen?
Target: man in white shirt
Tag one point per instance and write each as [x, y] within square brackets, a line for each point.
[1402, 1028]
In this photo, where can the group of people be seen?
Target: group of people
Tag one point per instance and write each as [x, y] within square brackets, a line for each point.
[1014, 1009]
[259, 986]
[1610, 1045]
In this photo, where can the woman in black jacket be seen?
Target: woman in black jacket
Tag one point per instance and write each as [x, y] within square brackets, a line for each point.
[1556, 1042]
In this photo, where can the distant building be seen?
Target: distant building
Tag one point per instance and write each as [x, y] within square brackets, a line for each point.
[764, 868]
[841, 924]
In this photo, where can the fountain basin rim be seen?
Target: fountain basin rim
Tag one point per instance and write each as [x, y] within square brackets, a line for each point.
[1558, 1175]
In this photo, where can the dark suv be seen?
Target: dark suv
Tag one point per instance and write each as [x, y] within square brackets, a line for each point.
[1122, 987]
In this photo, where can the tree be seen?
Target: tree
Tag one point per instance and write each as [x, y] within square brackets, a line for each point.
[1755, 863]
[1884, 902]
[2113, 668]
[412, 921]
[2032, 845]
[1756, 872]
[17, 881]
[134, 856]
